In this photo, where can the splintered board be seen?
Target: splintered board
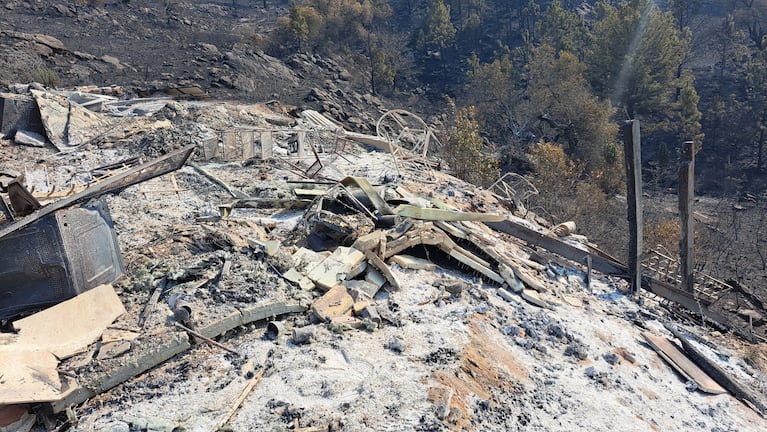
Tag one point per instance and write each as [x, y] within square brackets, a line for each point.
[70, 326]
[679, 361]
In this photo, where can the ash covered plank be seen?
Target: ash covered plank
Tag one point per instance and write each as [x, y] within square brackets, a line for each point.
[732, 385]
[154, 351]
[559, 247]
[679, 361]
[28, 375]
[155, 168]
[71, 326]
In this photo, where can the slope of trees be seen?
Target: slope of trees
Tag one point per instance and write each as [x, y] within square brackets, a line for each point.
[565, 71]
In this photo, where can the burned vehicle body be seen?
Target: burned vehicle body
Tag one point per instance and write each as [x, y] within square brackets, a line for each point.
[58, 257]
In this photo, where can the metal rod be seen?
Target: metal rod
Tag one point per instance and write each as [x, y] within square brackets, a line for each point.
[206, 339]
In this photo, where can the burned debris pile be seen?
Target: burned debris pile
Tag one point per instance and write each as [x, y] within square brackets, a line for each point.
[198, 265]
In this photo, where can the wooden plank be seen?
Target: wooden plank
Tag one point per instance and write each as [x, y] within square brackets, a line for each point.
[309, 192]
[720, 375]
[240, 399]
[28, 375]
[529, 280]
[533, 298]
[451, 229]
[221, 325]
[475, 258]
[679, 361]
[600, 263]
[71, 326]
[686, 195]
[269, 310]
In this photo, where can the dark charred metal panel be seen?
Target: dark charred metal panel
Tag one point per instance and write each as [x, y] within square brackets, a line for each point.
[57, 257]
[19, 112]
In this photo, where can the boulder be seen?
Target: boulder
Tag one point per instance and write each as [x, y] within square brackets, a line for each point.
[49, 41]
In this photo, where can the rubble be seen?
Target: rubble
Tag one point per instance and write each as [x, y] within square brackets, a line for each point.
[337, 285]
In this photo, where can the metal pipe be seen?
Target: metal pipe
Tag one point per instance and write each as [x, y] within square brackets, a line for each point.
[274, 329]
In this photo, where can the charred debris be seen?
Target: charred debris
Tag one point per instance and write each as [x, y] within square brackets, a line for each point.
[274, 222]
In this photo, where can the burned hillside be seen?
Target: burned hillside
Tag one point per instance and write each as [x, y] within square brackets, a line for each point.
[209, 223]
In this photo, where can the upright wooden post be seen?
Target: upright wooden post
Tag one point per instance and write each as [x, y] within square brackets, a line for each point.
[686, 196]
[633, 157]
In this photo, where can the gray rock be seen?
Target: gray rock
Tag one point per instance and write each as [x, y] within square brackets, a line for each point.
[43, 50]
[556, 331]
[48, 41]
[210, 49]
[577, 350]
[510, 330]
[524, 343]
[396, 344]
[63, 10]
[612, 359]
[83, 56]
[112, 61]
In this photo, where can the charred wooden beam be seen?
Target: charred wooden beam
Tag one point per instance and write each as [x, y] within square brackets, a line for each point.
[633, 157]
